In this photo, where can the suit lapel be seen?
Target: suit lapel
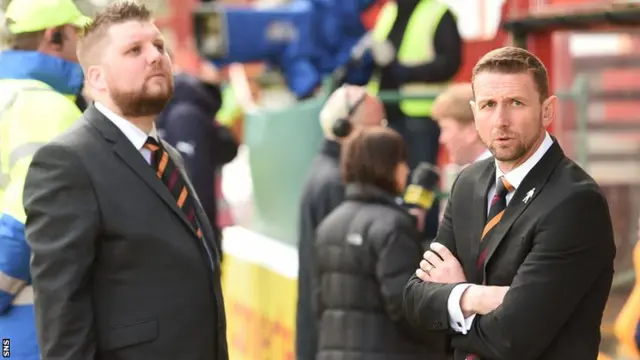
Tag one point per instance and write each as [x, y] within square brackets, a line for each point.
[535, 180]
[133, 159]
[479, 206]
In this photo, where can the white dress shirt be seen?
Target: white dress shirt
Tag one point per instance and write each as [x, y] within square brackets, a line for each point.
[137, 137]
[515, 177]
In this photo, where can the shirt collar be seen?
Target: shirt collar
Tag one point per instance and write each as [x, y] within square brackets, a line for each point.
[137, 137]
[517, 175]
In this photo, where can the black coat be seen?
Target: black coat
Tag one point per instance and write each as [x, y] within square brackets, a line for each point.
[323, 191]
[118, 270]
[366, 250]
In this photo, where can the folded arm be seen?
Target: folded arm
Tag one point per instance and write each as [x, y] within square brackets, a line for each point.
[573, 246]
[61, 229]
[426, 302]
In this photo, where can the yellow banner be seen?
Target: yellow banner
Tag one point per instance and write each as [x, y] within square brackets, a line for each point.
[260, 306]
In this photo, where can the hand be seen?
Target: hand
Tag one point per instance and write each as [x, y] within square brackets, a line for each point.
[440, 266]
[420, 215]
[482, 300]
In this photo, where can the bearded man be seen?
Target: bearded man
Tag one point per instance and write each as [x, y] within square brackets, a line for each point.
[124, 264]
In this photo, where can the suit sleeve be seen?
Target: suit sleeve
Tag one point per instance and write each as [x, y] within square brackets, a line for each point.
[397, 259]
[61, 229]
[572, 247]
[425, 303]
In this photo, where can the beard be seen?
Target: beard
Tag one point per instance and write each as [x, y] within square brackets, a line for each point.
[143, 102]
[509, 154]
[516, 148]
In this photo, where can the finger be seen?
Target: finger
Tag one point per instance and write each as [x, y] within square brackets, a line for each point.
[425, 266]
[441, 250]
[432, 258]
[423, 275]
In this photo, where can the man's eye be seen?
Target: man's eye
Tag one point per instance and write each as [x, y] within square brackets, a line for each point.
[488, 104]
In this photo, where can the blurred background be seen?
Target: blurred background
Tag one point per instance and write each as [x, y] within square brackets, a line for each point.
[272, 59]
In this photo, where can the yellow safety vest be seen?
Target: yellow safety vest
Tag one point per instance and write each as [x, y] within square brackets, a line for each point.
[31, 114]
[415, 49]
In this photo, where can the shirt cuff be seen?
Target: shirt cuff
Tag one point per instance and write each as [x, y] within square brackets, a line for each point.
[456, 319]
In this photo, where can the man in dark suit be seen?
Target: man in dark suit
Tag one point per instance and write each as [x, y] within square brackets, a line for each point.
[523, 261]
[124, 263]
[324, 191]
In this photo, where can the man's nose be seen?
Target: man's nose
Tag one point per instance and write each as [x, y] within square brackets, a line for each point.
[501, 117]
[154, 54]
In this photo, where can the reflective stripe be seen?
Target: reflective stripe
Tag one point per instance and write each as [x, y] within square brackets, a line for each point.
[24, 297]
[4, 177]
[416, 48]
[23, 151]
[10, 284]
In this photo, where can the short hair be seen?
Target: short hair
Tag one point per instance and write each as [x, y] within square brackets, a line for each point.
[115, 13]
[370, 157]
[454, 103]
[514, 60]
[337, 107]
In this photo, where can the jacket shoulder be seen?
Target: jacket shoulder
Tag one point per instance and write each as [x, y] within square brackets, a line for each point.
[470, 174]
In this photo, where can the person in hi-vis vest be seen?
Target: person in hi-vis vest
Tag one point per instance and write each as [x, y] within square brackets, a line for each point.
[423, 38]
[39, 80]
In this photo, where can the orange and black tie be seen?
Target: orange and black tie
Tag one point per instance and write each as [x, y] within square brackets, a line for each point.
[170, 175]
[496, 210]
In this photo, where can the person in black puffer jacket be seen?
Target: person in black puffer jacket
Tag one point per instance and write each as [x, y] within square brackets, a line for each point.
[367, 249]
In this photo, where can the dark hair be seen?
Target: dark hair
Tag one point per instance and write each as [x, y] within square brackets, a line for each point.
[371, 155]
[115, 13]
[513, 60]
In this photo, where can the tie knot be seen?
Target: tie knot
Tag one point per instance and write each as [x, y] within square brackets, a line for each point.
[503, 187]
[151, 144]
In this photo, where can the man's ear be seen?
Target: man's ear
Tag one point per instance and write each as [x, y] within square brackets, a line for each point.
[474, 108]
[96, 78]
[54, 37]
[549, 109]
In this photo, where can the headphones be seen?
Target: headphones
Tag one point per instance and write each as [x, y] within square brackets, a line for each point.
[342, 127]
[57, 38]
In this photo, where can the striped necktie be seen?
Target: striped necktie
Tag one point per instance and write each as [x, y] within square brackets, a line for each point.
[496, 210]
[170, 175]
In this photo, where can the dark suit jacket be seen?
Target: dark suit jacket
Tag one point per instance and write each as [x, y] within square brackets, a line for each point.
[555, 251]
[117, 270]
